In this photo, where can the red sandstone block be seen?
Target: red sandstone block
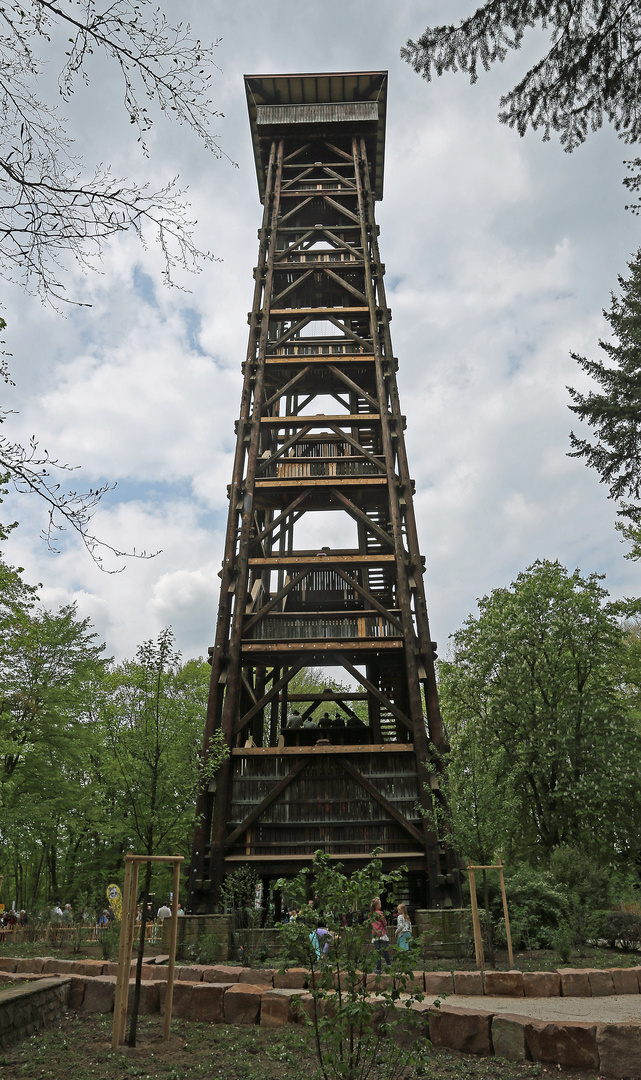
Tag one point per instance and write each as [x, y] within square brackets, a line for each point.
[147, 972]
[257, 976]
[508, 1037]
[574, 982]
[149, 997]
[181, 1004]
[468, 982]
[99, 994]
[439, 982]
[207, 1002]
[292, 979]
[112, 969]
[503, 983]
[461, 1029]
[601, 983]
[92, 968]
[219, 973]
[242, 1003]
[32, 966]
[415, 983]
[541, 984]
[8, 963]
[76, 992]
[410, 1025]
[619, 1047]
[625, 980]
[377, 984]
[59, 967]
[303, 1007]
[572, 1045]
[278, 1007]
[191, 973]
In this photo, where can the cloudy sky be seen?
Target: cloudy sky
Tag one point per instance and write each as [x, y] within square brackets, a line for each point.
[500, 254]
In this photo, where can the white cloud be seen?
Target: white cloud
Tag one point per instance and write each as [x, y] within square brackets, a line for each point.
[500, 254]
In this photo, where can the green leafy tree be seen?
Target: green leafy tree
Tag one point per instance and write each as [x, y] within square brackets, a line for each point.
[614, 413]
[534, 684]
[589, 73]
[354, 1022]
[151, 722]
[150, 716]
[49, 666]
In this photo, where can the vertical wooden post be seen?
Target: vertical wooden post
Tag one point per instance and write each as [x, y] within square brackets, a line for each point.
[478, 940]
[172, 953]
[507, 920]
[124, 926]
[129, 948]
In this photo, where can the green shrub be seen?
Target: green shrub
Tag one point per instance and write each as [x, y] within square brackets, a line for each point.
[563, 941]
[110, 940]
[537, 907]
[356, 1031]
[618, 928]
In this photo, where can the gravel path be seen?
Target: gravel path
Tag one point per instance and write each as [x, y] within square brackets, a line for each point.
[603, 1009]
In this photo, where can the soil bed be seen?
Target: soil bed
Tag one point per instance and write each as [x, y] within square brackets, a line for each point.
[79, 1049]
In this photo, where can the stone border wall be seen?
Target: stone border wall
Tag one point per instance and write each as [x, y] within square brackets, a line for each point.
[234, 995]
[27, 1007]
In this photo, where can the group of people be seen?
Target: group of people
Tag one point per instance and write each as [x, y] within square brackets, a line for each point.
[13, 918]
[380, 936]
[63, 916]
[326, 721]
[321, 938]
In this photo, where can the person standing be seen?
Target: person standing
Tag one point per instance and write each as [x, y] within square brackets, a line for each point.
[380, 939]
[403, 928]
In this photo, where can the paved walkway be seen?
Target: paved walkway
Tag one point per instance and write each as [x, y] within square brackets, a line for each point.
[612, 1009]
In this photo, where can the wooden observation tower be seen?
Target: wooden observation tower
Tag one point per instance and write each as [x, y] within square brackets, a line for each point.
[322, 567]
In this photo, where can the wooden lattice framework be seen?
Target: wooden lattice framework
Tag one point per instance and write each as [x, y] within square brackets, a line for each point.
[321, 431]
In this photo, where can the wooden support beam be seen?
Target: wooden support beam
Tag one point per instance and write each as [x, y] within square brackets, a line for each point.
[274, 601]
[395, 711]
[267, 801]
[345, 284]
[295, 209]
[276, 521]
[296, 179]
[284, 448]
[367, 595]
[342, 209]
[281, 253]
[302, 661]
[357, 446]
[360, 515]
[354, 386]
[293, 285]
[356, 775]
[288, 385]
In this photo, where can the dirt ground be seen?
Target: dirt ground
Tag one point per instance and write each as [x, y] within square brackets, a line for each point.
[79, 1049]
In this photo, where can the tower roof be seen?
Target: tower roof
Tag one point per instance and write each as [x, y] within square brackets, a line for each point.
[352, 101]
